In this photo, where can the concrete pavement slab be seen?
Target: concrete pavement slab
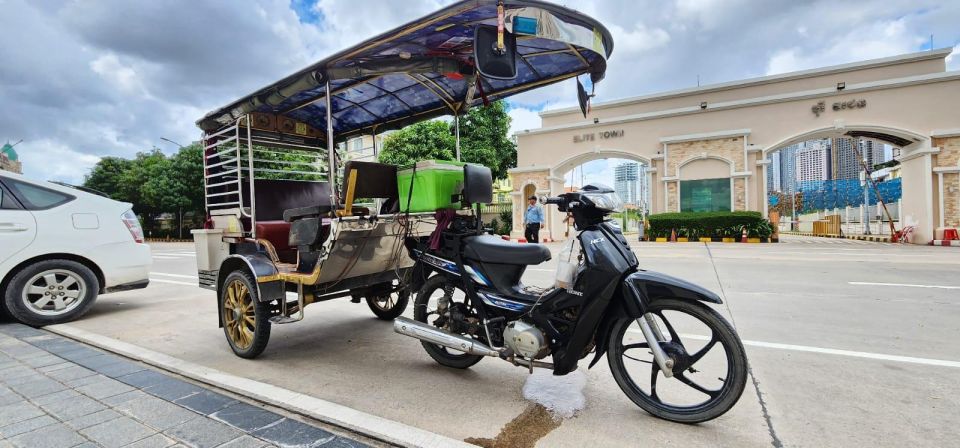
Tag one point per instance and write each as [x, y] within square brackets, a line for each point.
[157, 413]
[25, 426]
[117, 432]
[202, 432]
[52, 436]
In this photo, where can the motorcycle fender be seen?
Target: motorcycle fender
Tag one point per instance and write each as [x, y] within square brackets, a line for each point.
[643, 287]
[640, 289]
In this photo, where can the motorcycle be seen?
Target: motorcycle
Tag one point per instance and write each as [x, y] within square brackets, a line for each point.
[475, 306]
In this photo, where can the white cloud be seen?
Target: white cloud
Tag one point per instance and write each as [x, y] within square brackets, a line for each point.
[109, 67]
[51, 160]
[953, 60]
[523, 119]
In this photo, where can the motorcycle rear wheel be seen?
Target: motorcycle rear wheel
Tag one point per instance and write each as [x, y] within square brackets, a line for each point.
[719, 400]
[425, 310]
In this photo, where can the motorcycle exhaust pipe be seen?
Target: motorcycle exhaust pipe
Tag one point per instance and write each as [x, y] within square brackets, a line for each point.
[429, 333]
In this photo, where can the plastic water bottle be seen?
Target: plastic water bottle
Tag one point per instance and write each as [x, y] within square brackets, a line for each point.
[568, 262]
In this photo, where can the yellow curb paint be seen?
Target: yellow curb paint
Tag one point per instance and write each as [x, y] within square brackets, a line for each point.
[753, 240]
[682, 240]
[661, 240]
[729, 240]
[706, 240]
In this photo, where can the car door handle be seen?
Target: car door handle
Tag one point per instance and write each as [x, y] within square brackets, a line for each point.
[10, 227]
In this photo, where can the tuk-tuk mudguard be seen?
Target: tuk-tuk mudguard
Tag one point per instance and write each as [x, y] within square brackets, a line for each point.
[639, 290]
[260, 266]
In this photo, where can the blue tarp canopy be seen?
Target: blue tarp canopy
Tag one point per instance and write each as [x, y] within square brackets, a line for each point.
[425, 69]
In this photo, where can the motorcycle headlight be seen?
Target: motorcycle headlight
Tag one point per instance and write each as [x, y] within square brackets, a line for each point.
[608, 202]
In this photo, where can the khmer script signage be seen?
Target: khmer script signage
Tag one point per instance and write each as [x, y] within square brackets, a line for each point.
[601, 135]
[821, 106]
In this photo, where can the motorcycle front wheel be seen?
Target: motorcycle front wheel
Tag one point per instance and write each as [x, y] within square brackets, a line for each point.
[710, 365]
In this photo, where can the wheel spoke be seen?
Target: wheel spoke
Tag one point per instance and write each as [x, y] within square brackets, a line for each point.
[71, 294]
[51, 279]
[42, 302]
[706, 348]
[36, 290]
[58, 303]
[673, 333]
[68, 282]
[683, 379]
[637, 345]
[654, 371]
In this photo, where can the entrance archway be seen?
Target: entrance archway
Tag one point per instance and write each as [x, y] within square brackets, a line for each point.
[818, 174]
[553, 179]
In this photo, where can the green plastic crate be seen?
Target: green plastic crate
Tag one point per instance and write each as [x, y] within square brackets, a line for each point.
[434, 185]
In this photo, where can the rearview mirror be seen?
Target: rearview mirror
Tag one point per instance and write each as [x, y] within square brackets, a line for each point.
[477, 184]
[493, 62]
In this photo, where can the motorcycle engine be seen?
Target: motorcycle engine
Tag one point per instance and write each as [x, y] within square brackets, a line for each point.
[525, 339]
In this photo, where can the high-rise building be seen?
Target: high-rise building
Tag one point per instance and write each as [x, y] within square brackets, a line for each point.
[627, 179]
[812, 162]
[788, 168]
[774, 173]
[845, 164]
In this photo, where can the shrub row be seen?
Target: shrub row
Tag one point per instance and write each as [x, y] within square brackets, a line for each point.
[709, 224]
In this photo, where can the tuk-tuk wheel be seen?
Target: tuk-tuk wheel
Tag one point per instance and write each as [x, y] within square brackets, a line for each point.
[245, 319]
[389, 306]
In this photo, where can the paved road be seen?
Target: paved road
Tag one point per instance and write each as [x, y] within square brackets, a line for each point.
[850, 343]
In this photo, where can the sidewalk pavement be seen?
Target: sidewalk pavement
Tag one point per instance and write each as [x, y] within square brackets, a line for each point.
[58, 393]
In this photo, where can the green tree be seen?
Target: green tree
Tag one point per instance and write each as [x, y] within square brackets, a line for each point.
[106, 177]
[421, 141]
[483, 140]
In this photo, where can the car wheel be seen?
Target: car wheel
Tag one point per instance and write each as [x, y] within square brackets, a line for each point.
[51, 292]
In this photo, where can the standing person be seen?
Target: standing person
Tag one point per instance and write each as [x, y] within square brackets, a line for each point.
[533, 219]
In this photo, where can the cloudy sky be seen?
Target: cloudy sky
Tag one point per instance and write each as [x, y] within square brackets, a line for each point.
[82, 79]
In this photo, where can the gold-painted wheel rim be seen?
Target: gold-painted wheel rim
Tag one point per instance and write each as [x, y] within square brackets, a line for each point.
[239, 318]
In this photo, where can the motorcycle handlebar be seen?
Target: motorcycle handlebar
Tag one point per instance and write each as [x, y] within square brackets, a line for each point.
[548, 200]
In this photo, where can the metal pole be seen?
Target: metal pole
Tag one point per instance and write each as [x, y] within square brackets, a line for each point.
[376, 157]
[331, 156]
[866, 199]
[456, 124]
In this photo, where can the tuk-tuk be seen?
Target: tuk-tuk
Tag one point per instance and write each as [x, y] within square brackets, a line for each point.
[290, 223]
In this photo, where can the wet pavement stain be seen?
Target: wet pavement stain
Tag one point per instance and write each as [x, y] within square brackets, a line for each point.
[524, 431]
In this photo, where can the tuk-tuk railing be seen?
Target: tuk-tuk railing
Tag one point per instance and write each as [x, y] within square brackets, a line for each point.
[245, 157]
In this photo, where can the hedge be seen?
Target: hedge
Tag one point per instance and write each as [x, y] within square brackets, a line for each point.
[709, 224]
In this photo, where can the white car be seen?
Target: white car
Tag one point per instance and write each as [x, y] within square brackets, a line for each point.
[61, 247]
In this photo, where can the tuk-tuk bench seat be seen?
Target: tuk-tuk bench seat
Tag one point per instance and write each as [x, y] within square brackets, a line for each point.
[277, 233]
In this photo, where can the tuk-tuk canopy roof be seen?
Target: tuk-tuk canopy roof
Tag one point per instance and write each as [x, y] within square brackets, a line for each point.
[424, 69]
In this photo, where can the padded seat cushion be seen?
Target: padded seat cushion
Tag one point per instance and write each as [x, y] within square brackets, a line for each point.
[275, 232]
[492, 249]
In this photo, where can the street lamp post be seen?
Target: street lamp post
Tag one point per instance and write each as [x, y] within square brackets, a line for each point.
[179, 209]
[866, 199]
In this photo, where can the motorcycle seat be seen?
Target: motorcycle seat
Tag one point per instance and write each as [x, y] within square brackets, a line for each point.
[492, 249]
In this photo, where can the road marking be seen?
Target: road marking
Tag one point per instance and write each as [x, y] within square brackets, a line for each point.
[172, 282]
[162, 257]
[905, 285]
[832, 351]
[192, 277]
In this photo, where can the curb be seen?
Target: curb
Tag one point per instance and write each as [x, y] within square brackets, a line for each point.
[715, 240]
[164, 240]
[871, 238]
[369, 425]
[945, 243]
